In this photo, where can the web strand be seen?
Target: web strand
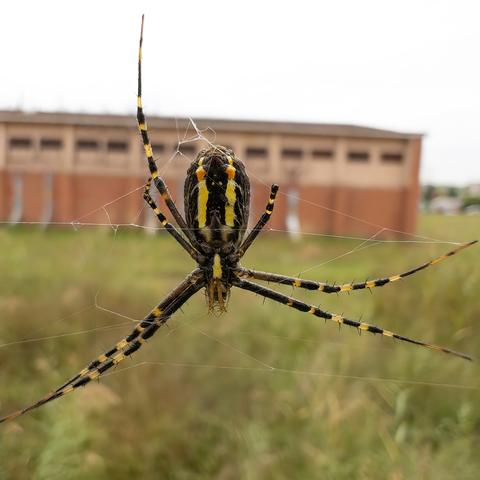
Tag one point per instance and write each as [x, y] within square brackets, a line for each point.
[272, 369]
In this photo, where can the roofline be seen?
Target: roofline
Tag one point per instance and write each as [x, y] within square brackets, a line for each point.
[228, 125]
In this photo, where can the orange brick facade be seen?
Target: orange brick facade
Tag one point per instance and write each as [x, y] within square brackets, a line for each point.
[349, 180]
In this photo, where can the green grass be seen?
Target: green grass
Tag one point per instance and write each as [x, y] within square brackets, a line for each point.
[330, 409]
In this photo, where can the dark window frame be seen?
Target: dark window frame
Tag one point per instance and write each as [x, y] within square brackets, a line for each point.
[360, 156]
[20, 143]
[256, 152]
[49, 143]
[118, 146]
[322, 154]
[186, 149]
[392, 157]
[157, 147]
[87, 145]
[292, 153]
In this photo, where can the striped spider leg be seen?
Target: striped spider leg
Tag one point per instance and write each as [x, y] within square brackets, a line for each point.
[157, 179]
[128, 345]
[168, 226]
[241, 273]
[334, 317]
[347, 287]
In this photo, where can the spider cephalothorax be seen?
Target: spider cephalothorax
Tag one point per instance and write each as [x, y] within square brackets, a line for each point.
[217, 195]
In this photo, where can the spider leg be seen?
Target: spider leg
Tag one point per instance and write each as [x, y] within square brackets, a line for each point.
[334, 317]
[158, 180]
[260, 224]
[168, 226]
[128, 345]
[347, 287]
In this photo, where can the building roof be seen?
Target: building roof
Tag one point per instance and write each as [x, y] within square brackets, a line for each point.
[244, 126]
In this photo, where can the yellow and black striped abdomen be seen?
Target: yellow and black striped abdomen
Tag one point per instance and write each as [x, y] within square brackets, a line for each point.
[217, 196]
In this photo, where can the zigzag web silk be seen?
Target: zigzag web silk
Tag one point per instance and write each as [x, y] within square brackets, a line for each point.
[258, 365]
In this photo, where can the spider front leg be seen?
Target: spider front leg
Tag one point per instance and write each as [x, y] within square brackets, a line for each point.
[334, 317]
[128, 345]
[163, 220]
[158, 180]
[260, 224]
[347, 287]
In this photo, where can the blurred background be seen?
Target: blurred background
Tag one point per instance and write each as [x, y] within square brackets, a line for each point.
[365, 114]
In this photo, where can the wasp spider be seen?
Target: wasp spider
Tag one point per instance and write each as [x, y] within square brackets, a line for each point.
[217, 196]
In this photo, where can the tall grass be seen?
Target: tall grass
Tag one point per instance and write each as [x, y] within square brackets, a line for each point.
[260, 392]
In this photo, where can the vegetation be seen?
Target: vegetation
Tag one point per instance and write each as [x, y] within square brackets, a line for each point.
[469, 201]
[205, 403]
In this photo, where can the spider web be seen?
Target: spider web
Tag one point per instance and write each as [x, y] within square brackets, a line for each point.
[181, 321]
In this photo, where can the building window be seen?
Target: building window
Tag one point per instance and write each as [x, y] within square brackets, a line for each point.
[20, 142]
[292, 153]
[392, 157]
[51, 144]
[117, 146]
[357, 156]
[256, 152]
[186, 149]
[157, 148]
[322, 154]
[87, 145]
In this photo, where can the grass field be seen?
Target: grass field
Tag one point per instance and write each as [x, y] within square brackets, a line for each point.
[262, 392]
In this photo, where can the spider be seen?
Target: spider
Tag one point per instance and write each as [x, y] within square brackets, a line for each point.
[213, 233]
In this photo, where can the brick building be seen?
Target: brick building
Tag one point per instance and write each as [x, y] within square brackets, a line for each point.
[340, 179]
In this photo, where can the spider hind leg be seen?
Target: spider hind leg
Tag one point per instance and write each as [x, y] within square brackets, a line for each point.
[338, 319]
[125, 347]
[346, 287]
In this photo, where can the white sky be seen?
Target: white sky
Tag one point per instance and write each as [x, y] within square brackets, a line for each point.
[409, 65]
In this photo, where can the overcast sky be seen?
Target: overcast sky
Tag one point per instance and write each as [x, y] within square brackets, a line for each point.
[408, 65]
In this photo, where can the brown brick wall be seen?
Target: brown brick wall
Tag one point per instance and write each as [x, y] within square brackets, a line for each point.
[412, 193]
[347, 210]
[92, 192]
[63, 198]
[5, 195]
[314, 209]
[75, 197]
[33, 197]
[81, 198]
[380, 208]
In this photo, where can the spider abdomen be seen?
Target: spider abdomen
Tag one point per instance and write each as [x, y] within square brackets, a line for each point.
[217, 197]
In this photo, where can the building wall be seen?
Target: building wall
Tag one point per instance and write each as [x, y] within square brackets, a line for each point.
[94, 174]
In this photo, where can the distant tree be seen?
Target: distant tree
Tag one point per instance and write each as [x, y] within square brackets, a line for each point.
[467, 201]
[428, 193]
[453, 192]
